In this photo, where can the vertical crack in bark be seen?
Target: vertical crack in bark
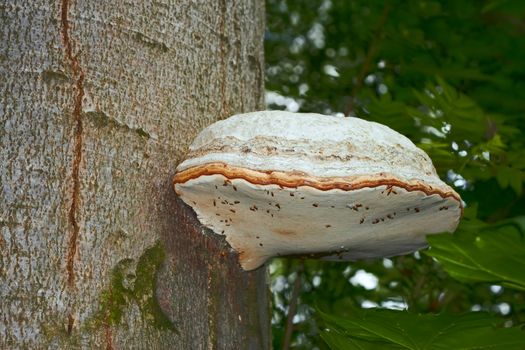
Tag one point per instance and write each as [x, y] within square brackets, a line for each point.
[73, 210]
[107, 323]
[109, 337]
[70, 323]
[212, 308]
[222, 51]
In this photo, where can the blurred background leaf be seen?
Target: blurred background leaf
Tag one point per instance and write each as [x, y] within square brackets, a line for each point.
[450, 76]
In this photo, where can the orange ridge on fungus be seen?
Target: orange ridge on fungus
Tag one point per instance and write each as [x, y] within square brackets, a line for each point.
[294, 179]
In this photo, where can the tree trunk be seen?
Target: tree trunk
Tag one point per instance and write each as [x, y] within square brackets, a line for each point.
[98, 103]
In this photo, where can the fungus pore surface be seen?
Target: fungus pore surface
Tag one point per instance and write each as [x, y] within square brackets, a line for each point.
[278, 183]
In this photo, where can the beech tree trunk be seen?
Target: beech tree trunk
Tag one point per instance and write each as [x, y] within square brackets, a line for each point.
[98, 103]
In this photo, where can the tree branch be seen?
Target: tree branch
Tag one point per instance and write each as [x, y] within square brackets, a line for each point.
[369, 57]
[292, 308]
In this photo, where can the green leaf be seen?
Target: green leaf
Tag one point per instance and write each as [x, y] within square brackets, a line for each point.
[493, 4]
[338, 341]
[515, 180]
[503, 177]
[389, 329]
[483, 253]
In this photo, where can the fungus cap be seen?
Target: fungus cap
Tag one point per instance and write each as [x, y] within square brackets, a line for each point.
[279, 183]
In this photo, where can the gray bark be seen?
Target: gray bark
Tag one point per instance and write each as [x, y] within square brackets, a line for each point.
[98, 103]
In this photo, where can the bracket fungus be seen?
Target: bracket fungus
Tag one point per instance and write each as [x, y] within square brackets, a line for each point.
[277, 183]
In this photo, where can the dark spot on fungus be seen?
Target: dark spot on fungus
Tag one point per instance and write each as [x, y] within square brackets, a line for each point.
[236, 202]
[332, 206]
[217, 214]
[362, 220]
[261, 244]
[214, 203]
[302, 197]
[327, 226]
[355, 206]
[390, 189]
[417, 210]
[284, 232]
[233, 211]
[390, 216]
[315, 205]
[216, 187]
[291, 194]
[268, 211]
[271, 193]
[257, 237]
[443, 208]
[375, 221]
[278, 206]
[367, 208]
[234, 188]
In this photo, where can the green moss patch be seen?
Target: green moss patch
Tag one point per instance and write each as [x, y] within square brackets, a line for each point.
[124, 291]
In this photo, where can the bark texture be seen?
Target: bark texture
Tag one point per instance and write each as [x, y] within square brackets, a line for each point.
[98, 103]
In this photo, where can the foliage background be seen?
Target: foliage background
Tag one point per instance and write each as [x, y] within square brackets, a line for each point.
[450, 75]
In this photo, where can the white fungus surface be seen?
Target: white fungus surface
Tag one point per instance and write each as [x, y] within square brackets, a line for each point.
[280, 183]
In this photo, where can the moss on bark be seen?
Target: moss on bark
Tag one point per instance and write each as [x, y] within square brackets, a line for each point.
[135, 287]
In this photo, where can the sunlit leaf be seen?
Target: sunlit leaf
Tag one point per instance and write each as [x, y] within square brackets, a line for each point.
[389, 329]
[494, 254]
